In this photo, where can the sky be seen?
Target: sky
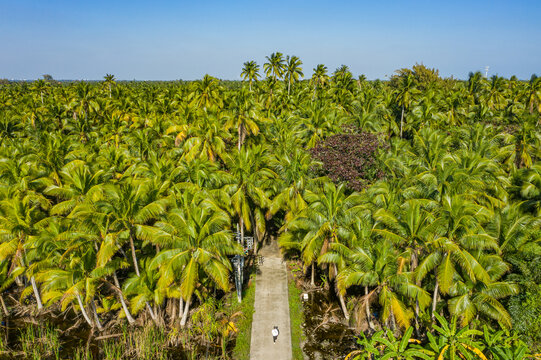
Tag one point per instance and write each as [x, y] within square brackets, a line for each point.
[170, 40]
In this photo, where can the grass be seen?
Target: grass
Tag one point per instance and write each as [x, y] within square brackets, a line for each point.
[244, 326]
[296, 316]
[40, 341]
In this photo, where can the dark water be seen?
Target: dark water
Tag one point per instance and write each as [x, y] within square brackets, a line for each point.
[326, 336]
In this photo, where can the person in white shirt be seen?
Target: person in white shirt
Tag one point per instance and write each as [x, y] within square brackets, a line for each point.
[275, 333]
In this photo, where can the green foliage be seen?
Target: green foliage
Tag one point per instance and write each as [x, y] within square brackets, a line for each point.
[244, 324]
[296, 316]
[119, 198]
[445, 341]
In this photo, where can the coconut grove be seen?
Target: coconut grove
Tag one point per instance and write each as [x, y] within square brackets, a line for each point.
[414, 203]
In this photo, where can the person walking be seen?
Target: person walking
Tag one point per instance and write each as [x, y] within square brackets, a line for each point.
[275, 333]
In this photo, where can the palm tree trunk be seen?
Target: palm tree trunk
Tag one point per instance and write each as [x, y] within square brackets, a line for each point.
[254, 232]
[367, 309]
[33, 282]
[313, 275]
[180, 307]
[173, 313]
[4, 307]
[402, 121]
[122, 301]
[434, 299]
[241, 225]
[393, 321]
[95, 314]
[186, 311]
[151, 312]
[136, 266]
[239, 132]
[85, 315]
[341, 297]
[414, 263]
[288, 87]
[36, 292]
[133, 255]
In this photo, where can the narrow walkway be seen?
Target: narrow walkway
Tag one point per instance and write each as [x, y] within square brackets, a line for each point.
[271, 308]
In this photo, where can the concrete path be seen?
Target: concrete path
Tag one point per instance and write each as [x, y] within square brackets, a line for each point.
[271, 308]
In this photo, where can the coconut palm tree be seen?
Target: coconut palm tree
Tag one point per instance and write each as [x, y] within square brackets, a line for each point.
[533, 94]
[380, 270]
[196, 240]
[470, 298]
[250, 176]
[275, 65]
[326, 220]
[244, 116]
[207, 93]
[20, 219]
[250, 71]
[404, 97]
[128, 207]
[292, 71]
[109, 81]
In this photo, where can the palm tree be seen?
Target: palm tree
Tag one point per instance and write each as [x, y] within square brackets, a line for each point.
[401, 349]
[244, 116]
[250, 175]
[250, 71]
[533, 94]
[293, 169]
[404, 97]
[319, 77]
[207, 93]
[196, 240]
[452, 340]
[327, 220]
[462, 237]
[20, 219]
[292, 71]
[75, 276]
[206, 139]
[78, 182]
[128, 207]
[109, 81]
[380, 271]
[410, 229]
[275, 65]
[470, 298]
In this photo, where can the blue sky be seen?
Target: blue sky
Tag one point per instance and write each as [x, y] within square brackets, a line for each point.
[167, 40]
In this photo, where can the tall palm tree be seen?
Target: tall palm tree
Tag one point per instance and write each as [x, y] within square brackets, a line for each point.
[250, 177]
[275, 65]
[207, 93]
[379, 269]
[404, 97]
[109, 81]
[533, 94]
[319, 77]
[244, 116]
[250, 71]
[327, 220]
[196, 240]
[128, 207]
[470, 298]
[293, 71]
[20, 219]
